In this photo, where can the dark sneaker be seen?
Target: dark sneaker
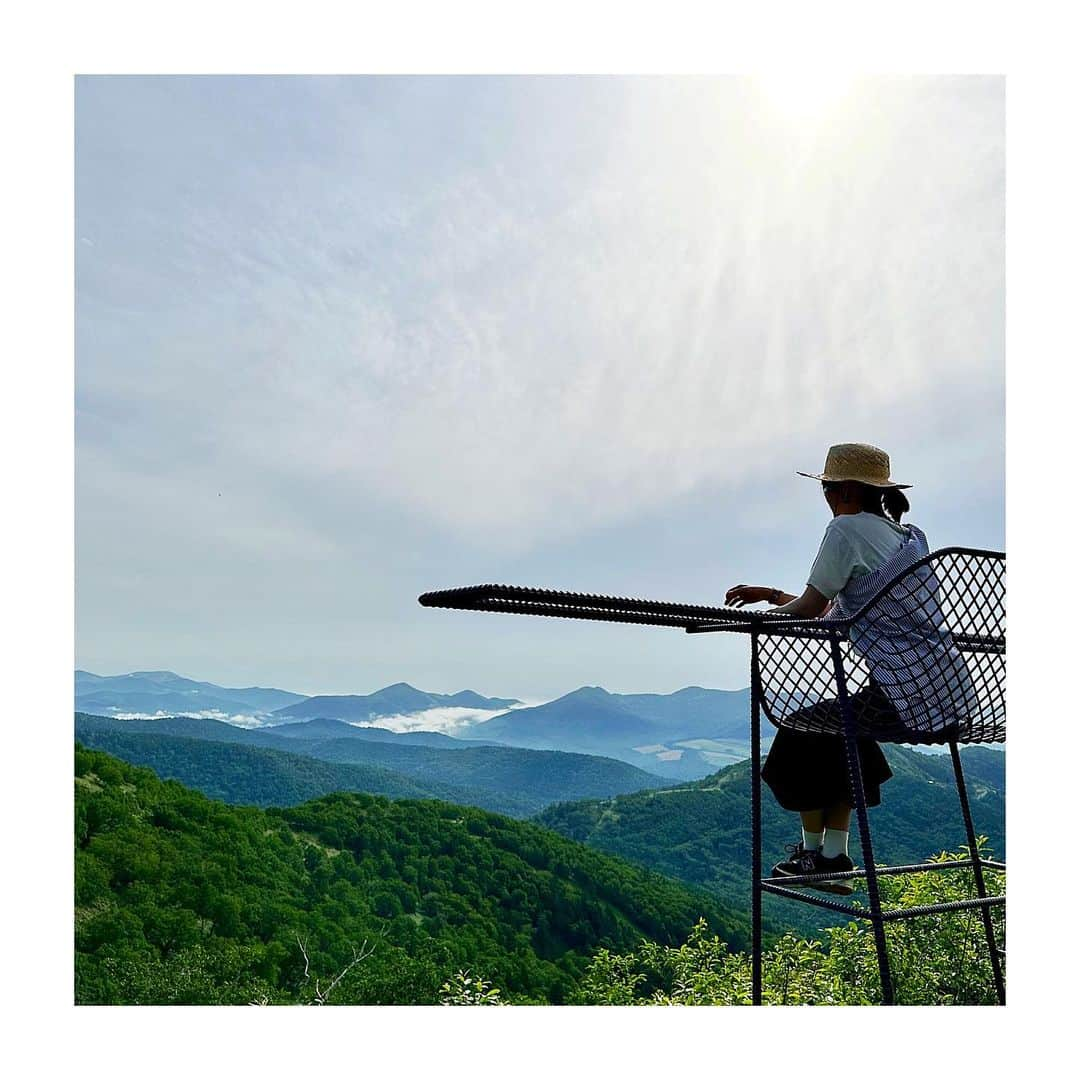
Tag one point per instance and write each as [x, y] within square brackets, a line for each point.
[803, 863]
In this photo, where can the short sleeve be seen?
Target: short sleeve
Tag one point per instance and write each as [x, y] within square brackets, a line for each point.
[833, 566]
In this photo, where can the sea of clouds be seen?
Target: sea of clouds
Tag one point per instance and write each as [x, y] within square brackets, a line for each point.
[244, 720]
[447, 720]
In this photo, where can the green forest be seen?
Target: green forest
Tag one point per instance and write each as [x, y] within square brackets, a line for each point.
[356, 899]
[181, 899]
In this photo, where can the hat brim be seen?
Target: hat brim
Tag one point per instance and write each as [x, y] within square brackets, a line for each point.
[853, 479]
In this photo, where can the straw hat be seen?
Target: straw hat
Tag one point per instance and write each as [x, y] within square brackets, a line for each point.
[857, 461]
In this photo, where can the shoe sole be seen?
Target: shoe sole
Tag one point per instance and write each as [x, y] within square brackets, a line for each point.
[839, 888]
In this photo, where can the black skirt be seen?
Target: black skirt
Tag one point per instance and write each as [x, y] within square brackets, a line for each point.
[808, 771]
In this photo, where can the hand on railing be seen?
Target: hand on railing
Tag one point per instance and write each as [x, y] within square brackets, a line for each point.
[810, 605]
[742, 595]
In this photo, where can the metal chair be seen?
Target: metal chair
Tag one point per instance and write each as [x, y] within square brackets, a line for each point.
[937, 632]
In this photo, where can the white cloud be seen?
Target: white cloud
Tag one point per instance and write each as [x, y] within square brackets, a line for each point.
[448, 721]
[545, 338]
[244, 720]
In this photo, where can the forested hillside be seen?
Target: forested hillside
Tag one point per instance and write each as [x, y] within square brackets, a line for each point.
[501, 778]
[183, 899]
[700, 832]
[257, 776]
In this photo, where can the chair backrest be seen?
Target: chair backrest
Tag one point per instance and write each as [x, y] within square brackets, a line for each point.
[923, 659]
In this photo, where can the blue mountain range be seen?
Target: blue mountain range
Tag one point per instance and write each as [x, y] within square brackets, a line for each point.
[684, 735]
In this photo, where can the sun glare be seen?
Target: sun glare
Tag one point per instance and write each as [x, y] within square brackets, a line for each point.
[805, 93]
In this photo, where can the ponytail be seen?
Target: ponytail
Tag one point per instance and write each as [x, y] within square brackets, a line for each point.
[894, 503]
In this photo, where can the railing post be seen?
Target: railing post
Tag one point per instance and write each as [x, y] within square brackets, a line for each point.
[755, 816]
[976, 866]
[854, 766]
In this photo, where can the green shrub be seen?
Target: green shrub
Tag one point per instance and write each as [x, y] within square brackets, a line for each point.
[935, 960]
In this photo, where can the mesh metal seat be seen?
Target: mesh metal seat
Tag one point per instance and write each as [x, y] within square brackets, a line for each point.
[938, 633]
[932, 639]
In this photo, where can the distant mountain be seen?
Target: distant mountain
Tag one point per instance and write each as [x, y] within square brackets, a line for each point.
[696, 711]
[401, 698]
[514, 779]
[163, 693]
[166, 692]
[700, 832]
[684, 735]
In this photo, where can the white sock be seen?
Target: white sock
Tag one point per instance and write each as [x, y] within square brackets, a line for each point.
[811, 841]
[835, 843]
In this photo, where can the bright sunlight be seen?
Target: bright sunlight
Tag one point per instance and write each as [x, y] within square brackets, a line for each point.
[805, 94]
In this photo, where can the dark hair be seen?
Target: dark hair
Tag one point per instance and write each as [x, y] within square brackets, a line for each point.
[885, 502]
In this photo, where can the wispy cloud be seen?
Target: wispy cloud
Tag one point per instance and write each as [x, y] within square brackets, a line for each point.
[243, 720]
[543, 335]
[318, 316]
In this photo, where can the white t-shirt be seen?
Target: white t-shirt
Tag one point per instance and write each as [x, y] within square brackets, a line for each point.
[854, 545]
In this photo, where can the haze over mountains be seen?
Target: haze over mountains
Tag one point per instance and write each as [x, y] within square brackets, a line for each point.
[161, 692]
[684, 735]
[680, 736]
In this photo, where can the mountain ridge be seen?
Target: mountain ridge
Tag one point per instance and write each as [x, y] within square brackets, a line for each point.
[652, 730]
[161, 692]
[398, 698]
[516, 776]
[263, 776]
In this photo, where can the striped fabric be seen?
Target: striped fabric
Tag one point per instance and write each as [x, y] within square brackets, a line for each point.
[903, 640]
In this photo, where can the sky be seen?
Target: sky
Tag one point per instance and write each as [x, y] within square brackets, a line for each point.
[340, 341]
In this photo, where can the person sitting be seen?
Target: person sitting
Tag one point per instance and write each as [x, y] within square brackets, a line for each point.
[918, 680]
